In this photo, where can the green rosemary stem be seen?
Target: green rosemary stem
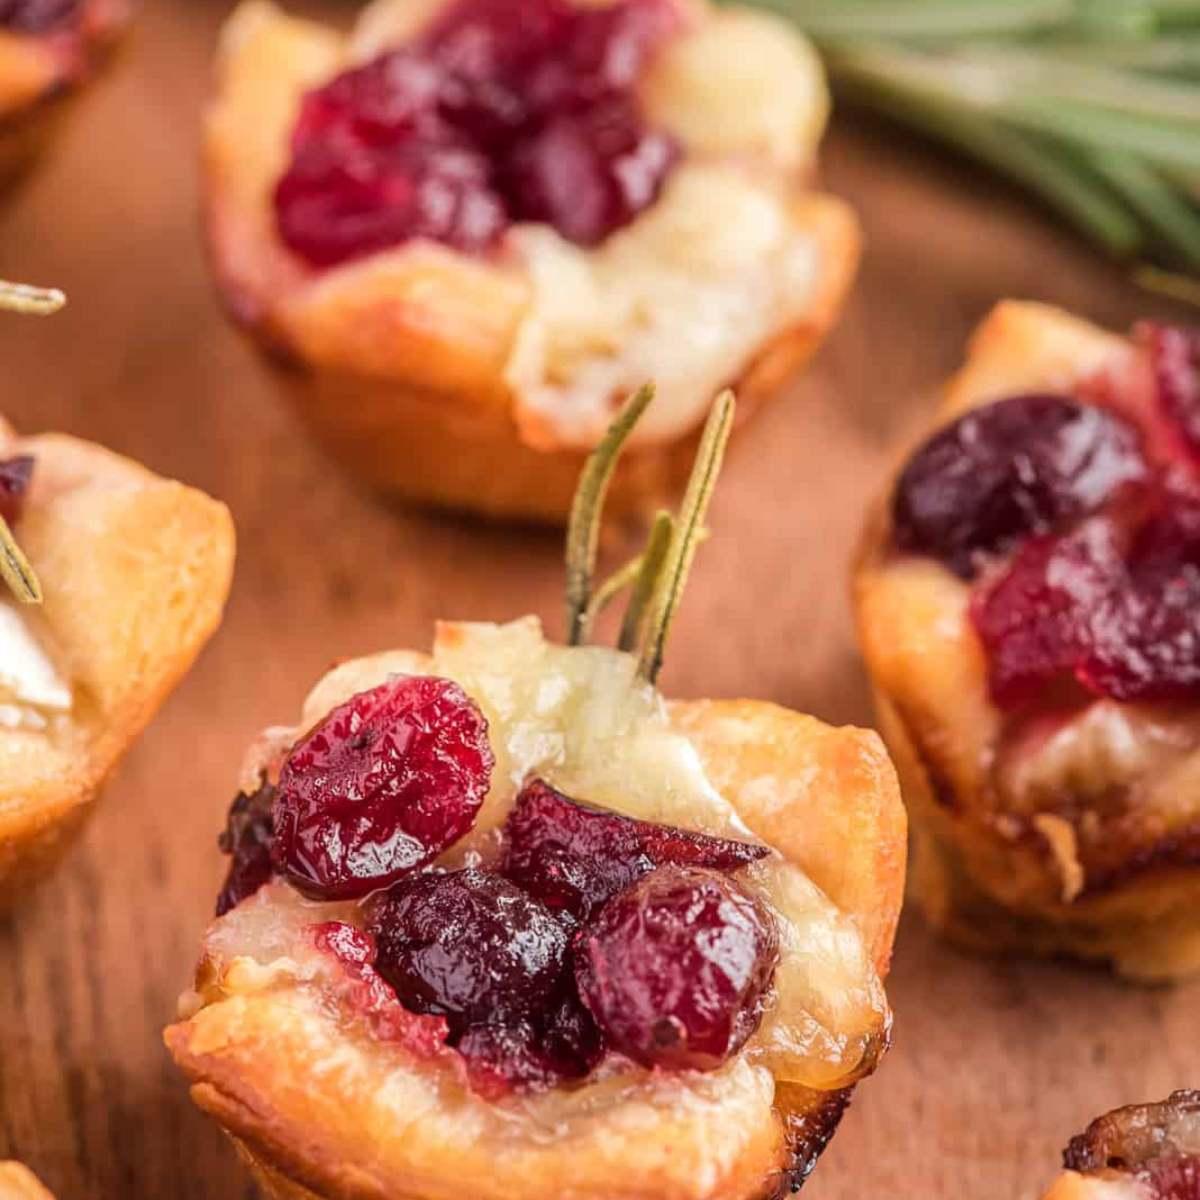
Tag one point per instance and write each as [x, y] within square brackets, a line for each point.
[21, 298]
[15, 569]
[682, 547]
[623, 577]
[651, 564]
[583, 531]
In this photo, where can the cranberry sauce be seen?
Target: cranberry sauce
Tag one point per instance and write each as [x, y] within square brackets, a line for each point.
[1084, 548]
[37, 16]
[501, 111]
[593, 932]
[15, 475]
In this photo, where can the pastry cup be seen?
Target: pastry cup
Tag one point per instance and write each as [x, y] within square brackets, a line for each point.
[1140, 1152]
[41, 74]
[135, 571]
[319, 1109]
[18, 1182]
[990, 875]
[449, 379]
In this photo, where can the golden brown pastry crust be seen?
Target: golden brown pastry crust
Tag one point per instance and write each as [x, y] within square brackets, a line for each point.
[990, 878]
[397, 363]
[135, 571]
[826, 798]
[18, 1182]
[40, 76]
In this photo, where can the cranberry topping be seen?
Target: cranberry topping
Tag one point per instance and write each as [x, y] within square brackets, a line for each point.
[675, 968]
[1176, 1178]
[573, 857]
[501, 111]
[37, 16]
[247, 840]
[367, 994]
[15, 474]
[380, 787]
[1021, 466]
[469, 946]
[1175, 357]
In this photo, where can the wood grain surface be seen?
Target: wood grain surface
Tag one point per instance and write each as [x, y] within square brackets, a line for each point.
[995, 1064]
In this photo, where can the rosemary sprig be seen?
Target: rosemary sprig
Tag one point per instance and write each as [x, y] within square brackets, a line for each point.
[1092, 104]
[14, 566]
[656, 576]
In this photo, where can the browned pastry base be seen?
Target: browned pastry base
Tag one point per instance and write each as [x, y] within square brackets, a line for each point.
[135, 571]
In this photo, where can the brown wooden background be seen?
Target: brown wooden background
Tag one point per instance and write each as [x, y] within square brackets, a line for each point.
[995, 1064]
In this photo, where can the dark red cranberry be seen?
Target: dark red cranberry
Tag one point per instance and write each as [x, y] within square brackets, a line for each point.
[1174, 1178]
[1175, 357]
[15, 474]
[247, 840]
[380, 787]
[502, 111]
[573, 857]
[37, 16]
[1021, 466]
[675, 968]
[369, 995]
[468, 945]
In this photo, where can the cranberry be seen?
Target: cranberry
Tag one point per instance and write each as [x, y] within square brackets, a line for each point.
[36, 16]
[675, 968]
[15, 474]
[1021, 466]
[380, 787]
[247, 840]
[1174, 1178]
[367, 994]
[502, 111]
[1175, 356]
[573, 857]
[469, 946]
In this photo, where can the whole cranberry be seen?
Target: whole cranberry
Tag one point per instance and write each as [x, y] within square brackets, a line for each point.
[247, 840]
[468, 945]
[675, 968]
[1172, 1177]
[1019, 467]
[573, 857]
[37, 16]
[15, 476]
[383, 785]
[1175, 358]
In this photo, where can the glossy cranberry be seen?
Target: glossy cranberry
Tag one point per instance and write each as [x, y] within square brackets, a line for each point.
[247, 840]
[381, 786]
[37, 16]
[366, 993]
[1175, 357]
[573, 857]
[502, 111]
[675, 968]
[1176, 1177]
[15, 474]
[468, 945]
[1021, 466]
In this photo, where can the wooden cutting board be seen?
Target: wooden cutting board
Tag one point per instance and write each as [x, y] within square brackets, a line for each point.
[995, 1064]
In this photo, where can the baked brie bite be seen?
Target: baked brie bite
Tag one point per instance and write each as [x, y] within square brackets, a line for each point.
[1028, 602]
[502, 921]
[18, 1182]
[465, 231]
[48, 50]
[111, 580]
[1141, 1152]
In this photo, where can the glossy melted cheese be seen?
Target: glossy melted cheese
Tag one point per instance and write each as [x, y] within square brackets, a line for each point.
[31, 689]
[580, 719]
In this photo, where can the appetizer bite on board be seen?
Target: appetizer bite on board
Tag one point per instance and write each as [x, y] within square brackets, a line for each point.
[501, 921]
[18, 1182]
[1142, 1152]
[1028, 604]
[48, 50]
[111, 580]
[464, 232]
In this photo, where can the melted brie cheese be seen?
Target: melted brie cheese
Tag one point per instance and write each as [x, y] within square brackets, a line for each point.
[684, 295]
[30, 687]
